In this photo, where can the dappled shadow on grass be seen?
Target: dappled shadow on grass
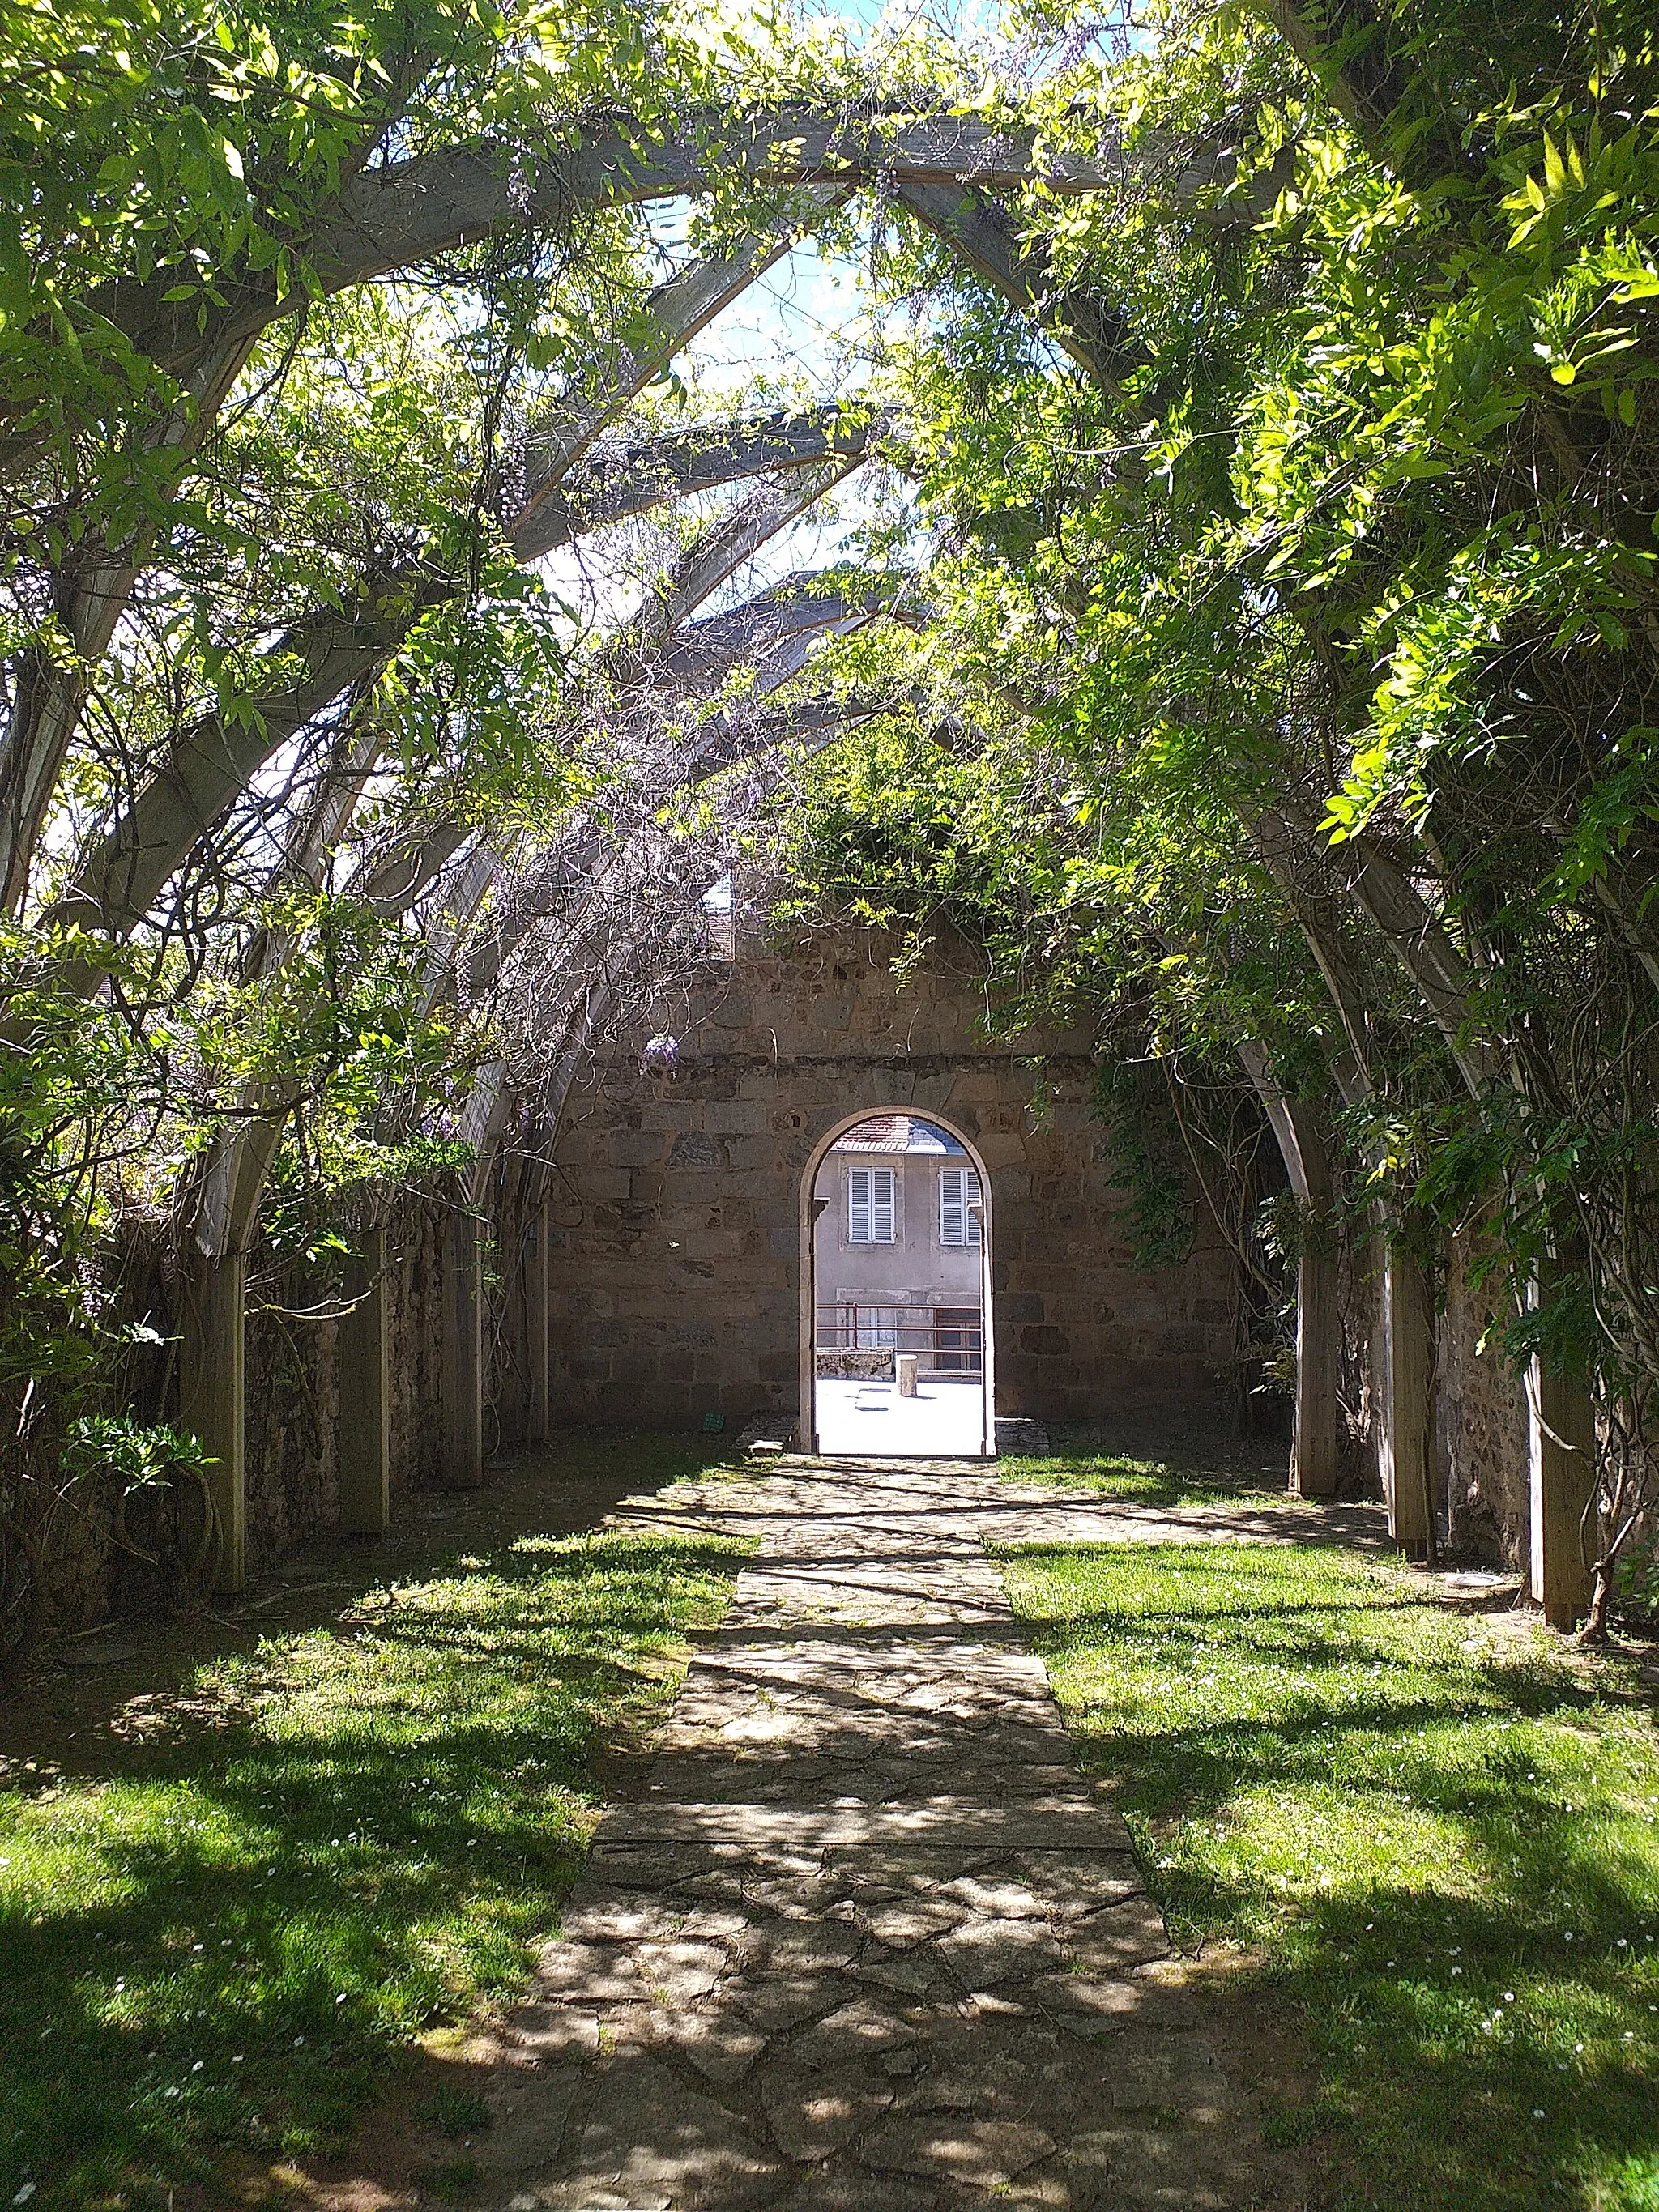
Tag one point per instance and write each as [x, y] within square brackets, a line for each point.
[1450, 1866]
[1162, 1463]
[226, 1941]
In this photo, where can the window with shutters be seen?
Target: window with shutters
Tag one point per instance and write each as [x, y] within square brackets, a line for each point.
[869, 1206]
[958, 1190]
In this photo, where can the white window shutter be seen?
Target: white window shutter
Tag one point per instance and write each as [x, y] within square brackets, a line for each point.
[881, 1205]
[858, 1205]
[958, 1222]
[952, 1228]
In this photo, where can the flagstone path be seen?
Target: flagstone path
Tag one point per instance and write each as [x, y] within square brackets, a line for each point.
[868, 1942]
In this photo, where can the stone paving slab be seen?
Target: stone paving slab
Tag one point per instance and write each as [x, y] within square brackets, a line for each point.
[1044, 1818]
[868, 1943]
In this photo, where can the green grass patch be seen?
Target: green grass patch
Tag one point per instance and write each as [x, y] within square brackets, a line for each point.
[1123, 1474]
[353, 1833]
[1447, 1860]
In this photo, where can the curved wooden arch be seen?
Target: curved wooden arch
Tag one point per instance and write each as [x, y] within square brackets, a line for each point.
[807, 1225]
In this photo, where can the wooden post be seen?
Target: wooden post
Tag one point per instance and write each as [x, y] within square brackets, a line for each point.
[1318, 1307]
[522, 1389]
[511, 1211]
[1318, 1355]
[533, 1261]
[213, 1396]
[1561, 1438]
[365, 1430]
[1404, 1373]
[462, 1384]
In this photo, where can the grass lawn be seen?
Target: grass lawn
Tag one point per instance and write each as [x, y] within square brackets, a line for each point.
[1122, 1463]
[220, 1936]
[1438, 1847]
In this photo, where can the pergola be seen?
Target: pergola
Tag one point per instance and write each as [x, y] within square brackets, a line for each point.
[583, 471]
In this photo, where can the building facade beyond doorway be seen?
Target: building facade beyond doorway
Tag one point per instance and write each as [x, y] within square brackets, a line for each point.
[896, 1293]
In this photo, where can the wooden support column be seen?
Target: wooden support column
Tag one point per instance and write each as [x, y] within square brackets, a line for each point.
[513, 1214]
[1318, 1307]
[1404, 1375]
[213, 1396]
[462, 1383]
[1561, 1439]
[1318, 1350]
[533, 1261]
[365, 1432]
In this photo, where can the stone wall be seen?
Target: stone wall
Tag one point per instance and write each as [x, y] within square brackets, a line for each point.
[293, 1405]
[675, 1267]
[1480, 1476]
[414, 1260]
[71, 1511]
[293, 1383]
[1481, 1421]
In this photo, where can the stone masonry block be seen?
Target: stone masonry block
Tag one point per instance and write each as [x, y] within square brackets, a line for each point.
[709, 1244]
[750, 1152]
[1183, 1337]
[696, 1150]
[934, 1091]
[1043, 1341]
[998, 1150]
[978, 1086]
[757, 1188]
[638, 1148]
[599, 1186]
[670, 1115]
[737, 1117]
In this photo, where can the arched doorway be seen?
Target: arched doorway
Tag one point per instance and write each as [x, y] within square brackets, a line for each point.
[896, 1345]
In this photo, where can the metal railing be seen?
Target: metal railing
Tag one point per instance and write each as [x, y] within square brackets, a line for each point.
[952, 1346]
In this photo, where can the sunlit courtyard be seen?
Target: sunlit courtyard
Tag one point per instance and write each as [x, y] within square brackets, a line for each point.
[945, 1418]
